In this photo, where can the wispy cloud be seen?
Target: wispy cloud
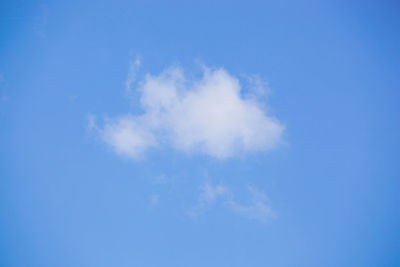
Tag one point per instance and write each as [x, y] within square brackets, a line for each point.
[209, 115]
[92, 123]
[130, 79]
[154, 199]
[256, 208]
[208, 196]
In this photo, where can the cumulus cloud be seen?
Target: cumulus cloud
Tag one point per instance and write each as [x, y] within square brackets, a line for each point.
[210, 115]
[256, 208]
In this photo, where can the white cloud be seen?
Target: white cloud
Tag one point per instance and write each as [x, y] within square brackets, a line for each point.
[208, 115]
[255, 209]
[128, 136]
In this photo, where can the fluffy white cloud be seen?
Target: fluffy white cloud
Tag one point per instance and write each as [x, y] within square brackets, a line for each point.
[209, 115]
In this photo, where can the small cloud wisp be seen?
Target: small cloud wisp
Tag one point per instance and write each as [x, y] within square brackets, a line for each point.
[256, 209]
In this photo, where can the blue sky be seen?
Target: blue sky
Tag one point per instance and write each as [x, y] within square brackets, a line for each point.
[208, 133]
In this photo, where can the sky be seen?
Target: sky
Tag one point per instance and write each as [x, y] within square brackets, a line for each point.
[199, 133]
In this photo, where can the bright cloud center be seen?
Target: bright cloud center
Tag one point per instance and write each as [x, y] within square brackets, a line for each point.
[208, 115]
